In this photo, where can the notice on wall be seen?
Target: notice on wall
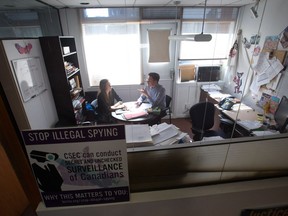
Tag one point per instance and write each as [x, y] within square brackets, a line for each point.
[79, 166]
[29, 76]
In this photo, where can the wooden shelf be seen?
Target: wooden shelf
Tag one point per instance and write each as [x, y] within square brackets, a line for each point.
[66, 87]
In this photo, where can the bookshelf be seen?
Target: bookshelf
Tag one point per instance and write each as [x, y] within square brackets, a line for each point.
[61, 60]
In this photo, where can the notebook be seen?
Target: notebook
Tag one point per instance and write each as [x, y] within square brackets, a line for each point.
[135, 114]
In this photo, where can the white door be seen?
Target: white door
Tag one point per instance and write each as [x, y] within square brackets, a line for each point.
[166, 69]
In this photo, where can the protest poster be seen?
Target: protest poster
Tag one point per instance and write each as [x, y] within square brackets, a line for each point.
[79, 165]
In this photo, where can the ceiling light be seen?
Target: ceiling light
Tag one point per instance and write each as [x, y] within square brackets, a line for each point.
[194, 37]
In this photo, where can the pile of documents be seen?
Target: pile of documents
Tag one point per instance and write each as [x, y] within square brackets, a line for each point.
[140, 135]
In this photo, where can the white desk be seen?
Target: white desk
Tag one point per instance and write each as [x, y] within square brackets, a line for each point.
[245, 117]
[132, 108]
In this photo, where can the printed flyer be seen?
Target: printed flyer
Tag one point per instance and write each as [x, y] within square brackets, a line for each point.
[79, 165]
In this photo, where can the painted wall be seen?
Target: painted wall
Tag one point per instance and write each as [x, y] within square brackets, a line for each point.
[216, 200]
[38, 112]
[272, 20]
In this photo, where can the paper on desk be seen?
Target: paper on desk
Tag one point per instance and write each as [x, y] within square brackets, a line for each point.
[211, 87]
[131, 115]
[156, 129]
[218, 95]
[174, 140]
[242, 107]
[265, 133]
[212, 138]
[250, 125]
[165, 133]
[120, 111]
[138, 133]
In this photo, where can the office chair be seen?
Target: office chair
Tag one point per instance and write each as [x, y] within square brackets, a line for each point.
[202, 118]
[89, 110]
[163, 113]
[167, 110]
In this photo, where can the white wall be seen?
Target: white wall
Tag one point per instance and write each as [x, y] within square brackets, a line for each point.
[38, 112]
[272, 20]
[215, 200]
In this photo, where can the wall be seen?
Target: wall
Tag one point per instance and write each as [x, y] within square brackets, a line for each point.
[216, 200]
[272, 20]
[39, 111]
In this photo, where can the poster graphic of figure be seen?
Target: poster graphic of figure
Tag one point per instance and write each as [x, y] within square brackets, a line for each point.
[46, 174]
[284, 38]
[233, 53]
[238, 81]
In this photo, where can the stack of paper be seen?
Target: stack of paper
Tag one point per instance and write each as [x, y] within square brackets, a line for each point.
[138, 135]
[164, 134]
[211, 87]
[250, 125]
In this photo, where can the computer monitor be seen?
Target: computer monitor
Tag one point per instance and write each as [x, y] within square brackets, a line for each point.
[281, 115]
[208, 73]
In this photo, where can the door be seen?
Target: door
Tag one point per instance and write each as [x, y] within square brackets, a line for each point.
[164, 69]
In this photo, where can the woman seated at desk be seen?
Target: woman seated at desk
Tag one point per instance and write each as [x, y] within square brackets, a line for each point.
[106, 102]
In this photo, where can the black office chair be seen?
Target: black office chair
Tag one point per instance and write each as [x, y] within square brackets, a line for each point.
[202, 118]
[167, 110]
[89, 110]
[164, 112]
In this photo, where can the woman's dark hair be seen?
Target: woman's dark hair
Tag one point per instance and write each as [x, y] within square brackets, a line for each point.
[102, 87]
[155, 76]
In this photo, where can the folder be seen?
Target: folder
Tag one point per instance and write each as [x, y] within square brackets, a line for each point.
[135, 114]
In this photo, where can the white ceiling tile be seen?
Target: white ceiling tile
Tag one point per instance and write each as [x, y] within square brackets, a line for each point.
[30, 4]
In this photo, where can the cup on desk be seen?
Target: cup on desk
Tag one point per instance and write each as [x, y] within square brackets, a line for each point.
[260, 118]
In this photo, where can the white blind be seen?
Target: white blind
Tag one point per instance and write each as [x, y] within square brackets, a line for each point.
[219, 22]
[159, 45]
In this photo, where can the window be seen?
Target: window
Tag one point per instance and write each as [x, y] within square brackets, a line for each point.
[219, 22]
[112, 48]
[19, 24]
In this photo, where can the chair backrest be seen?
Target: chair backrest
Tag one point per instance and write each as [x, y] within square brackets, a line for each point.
[168, 101]
[202, 116]
[90, 96]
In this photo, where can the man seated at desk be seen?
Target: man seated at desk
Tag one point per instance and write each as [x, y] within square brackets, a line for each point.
[154, 93]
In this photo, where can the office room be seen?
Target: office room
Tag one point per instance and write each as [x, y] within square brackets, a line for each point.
[249, 29]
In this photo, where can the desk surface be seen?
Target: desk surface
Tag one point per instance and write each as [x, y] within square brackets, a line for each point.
[247, 119]
[132, 108]
[246, 114]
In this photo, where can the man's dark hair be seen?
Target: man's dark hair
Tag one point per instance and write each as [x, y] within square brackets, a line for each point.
[155, 76]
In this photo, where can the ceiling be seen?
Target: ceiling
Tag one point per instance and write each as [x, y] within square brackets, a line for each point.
[34, 4]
